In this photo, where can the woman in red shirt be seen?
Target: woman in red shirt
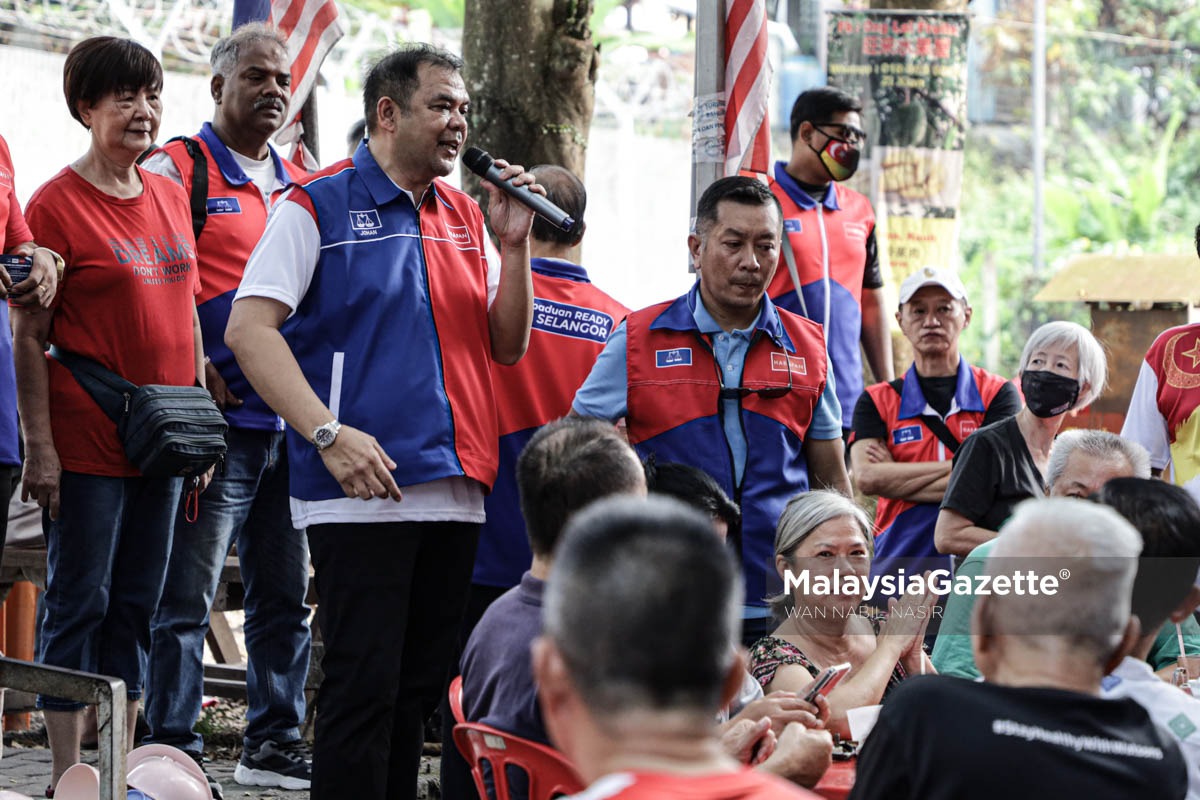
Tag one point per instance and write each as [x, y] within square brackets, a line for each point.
[128, 302]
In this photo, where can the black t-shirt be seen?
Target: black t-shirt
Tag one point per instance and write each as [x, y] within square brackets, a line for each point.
[943, 738]
[939, 393]
[993, 472]
[872, 274]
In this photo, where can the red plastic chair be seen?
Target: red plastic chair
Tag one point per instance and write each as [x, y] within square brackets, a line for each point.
[456, 699]
[550, 774]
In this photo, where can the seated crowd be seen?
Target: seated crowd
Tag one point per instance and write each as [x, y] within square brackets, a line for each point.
[695, 604]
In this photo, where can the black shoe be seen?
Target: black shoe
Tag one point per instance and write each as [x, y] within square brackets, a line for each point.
[213, 786]
[286, 766]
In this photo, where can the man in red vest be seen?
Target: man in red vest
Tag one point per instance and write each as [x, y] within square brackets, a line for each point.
[906, 430]
[829, 241]
[725, 381]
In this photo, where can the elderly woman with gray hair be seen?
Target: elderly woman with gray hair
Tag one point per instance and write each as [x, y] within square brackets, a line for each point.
[1063, 369]
[823, 537]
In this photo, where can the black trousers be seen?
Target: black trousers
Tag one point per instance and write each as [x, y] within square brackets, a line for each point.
[390, 601]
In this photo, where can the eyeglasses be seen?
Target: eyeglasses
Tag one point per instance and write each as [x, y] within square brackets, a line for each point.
[766, 392]
[845, 133]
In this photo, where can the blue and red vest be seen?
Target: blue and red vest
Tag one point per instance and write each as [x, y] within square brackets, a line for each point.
[829, 240]
[237, 215]
[675, 408]
[572, 320]
[392, 333]
[903, 529]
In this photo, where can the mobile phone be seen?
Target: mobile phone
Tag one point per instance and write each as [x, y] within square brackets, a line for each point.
[826, 681]
[18, 267]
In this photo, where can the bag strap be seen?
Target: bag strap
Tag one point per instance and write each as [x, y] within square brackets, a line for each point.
[790, 258]
[199, 197]
[109, 390]
[933, 422]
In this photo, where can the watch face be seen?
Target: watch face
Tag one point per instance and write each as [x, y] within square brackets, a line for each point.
[323, 437]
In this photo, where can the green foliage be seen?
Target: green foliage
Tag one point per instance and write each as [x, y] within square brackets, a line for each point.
[445, 13]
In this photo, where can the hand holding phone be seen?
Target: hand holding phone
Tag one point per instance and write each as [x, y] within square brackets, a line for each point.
[826, 681]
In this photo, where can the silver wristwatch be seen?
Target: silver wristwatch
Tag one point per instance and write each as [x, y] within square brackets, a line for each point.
[323, 436]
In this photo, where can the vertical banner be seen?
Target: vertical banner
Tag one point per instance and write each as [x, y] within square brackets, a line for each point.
[909, 68]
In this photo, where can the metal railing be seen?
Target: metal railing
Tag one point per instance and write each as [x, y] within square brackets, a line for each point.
[108, 694]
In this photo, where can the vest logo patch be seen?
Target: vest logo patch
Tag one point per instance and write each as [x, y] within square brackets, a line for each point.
[678, 357]
[798, 365]
[458, 234]
[365, 223]
[909, 433]
[855, 231]
[223, 205]
[576, 322]
[792, 226]
[967, 427]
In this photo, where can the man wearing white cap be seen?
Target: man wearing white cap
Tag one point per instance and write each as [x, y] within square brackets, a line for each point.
[905, 431]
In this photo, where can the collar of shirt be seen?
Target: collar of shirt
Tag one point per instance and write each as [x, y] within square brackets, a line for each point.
[383, 189]
[1134, 669]
[230, 169]
[966, 394]
[801, 197]
[687, 313]
[558, 268]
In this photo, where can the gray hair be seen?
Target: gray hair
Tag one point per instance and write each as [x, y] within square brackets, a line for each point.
[1093, 365]
[1092, 607]
[228, 51]
[802, 515]
[644, 604]
[1100, 445]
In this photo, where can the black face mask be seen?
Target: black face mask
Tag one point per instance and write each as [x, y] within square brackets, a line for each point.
[1048, 394]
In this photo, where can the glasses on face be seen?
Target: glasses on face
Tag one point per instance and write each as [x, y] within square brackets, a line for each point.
[766, 392]
[842, 132]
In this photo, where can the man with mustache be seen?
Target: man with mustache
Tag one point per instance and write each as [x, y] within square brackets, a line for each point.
[231, 171]
[829, 245]
[906, 430]
[725, 381]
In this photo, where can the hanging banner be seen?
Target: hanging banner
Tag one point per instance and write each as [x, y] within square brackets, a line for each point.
[909, 69]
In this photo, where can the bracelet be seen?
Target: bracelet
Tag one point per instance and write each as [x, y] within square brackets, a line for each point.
[59, 264]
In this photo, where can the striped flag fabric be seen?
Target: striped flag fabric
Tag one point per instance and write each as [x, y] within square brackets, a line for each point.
[747, 87]
[311, 27]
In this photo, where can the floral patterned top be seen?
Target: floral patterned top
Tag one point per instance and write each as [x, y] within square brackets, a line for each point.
[771, 652]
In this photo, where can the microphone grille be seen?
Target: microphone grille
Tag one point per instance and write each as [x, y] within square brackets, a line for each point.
[476, 160]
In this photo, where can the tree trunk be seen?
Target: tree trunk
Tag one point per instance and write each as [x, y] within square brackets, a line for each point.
[531, 71]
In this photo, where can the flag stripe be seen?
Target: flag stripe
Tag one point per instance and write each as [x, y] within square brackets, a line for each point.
[747, 87]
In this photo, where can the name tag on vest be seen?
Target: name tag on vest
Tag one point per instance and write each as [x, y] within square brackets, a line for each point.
[679, 357]
[791, 225]
[223, 205]
[365, 223]
[909, 433]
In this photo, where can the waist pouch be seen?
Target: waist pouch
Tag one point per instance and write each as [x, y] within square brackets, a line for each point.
[165, 430]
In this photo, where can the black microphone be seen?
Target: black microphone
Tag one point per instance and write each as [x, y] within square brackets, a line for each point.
[485, 167]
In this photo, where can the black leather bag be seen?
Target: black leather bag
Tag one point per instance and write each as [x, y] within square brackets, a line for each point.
[165, 430]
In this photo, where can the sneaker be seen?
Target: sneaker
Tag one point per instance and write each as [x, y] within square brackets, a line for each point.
[213, 786]
[286, 766]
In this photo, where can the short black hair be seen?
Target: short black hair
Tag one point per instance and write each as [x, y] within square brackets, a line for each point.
[693, 486]
[736, 189]
[644, 605]
[395, 76]
[565, 190]
[566, 465]
[1169, 520]
[104, 65]
[818, 105]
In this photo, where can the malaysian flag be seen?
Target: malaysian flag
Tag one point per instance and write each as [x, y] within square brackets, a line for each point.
[311, 28]
[747, 87]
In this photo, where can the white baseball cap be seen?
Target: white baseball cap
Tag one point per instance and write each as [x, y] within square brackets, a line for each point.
[932, 276]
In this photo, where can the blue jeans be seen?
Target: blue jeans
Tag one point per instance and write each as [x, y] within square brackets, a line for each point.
[106, 559]
[248, 501]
